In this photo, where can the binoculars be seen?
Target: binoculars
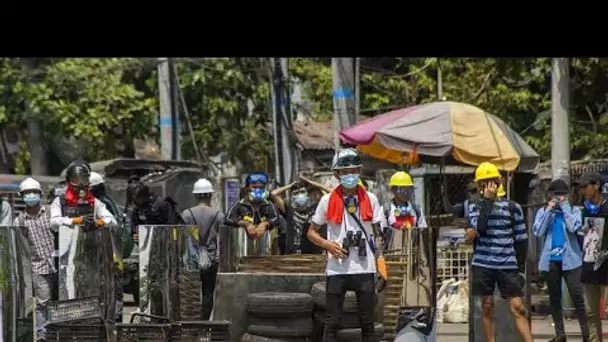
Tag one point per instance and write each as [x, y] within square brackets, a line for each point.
[355, 241]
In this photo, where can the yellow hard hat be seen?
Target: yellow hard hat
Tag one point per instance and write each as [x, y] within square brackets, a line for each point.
[501, 191]
[486, 170]
[400, 178]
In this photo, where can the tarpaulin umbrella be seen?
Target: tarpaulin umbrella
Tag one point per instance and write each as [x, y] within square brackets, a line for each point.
[440, 129]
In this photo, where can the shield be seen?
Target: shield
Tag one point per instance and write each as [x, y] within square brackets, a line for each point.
[169, 278]
[16, 300]
[86, 266]
[462, 132]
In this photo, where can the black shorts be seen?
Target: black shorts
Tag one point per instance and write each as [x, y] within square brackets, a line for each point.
[486, 279]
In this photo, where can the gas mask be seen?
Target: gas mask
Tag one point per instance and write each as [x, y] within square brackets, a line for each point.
[593, 209]
[258, 194]
[403, 210]
[81, 185]
[300, 201]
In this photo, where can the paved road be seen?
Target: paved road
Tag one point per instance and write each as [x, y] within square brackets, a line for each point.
[542, 328]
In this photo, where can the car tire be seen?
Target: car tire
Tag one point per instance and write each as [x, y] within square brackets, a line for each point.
[280, 327]
[279, 305]
[256, 338]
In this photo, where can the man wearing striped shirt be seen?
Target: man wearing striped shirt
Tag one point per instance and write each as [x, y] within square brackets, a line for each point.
[500, 233]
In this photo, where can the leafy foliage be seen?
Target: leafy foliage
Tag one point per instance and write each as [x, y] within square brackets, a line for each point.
[106, 103]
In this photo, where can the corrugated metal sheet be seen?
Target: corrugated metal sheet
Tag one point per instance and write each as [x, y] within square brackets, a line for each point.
[314, 135]
[577, 168]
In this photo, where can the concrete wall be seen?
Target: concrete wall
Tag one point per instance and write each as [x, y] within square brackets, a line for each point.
[233, 288]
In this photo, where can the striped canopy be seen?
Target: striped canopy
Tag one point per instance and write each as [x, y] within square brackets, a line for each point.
[440, 129]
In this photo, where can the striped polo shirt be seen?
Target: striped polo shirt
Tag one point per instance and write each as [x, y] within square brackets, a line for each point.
[495, 249]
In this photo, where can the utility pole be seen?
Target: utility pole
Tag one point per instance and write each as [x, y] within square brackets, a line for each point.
[344, 96]
[166, 121]
[439, 81]
[176, 128]
[357, 89]
[38, 160]
[560, 132]
[285, 157]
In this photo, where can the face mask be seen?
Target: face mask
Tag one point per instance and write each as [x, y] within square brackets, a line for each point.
[593, 209]
[300, 201]
[258, 194]
[31, 199]
[404, 210]
[349, 181]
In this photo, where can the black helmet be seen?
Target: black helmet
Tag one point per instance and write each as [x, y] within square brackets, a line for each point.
[79, 165]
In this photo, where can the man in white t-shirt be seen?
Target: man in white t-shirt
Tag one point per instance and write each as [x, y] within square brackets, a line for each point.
[350, 263]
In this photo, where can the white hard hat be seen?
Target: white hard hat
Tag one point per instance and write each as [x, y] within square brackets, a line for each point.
[95, 179]
[202, 186]
[30, 184]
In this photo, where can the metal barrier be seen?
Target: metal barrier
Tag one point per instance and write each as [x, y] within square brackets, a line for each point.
[169, 282]
[87, 267]
[16, 300]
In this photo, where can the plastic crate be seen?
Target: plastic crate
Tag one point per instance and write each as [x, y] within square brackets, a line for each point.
[64, 332]
[141, 318]
[195, 331]
[74, 309]
[143, 332]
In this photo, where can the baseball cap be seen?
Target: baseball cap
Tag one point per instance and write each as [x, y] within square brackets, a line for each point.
[558, 187]
[589, 178]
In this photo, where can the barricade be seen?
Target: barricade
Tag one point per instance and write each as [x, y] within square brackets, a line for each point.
[87, 267]
[16, 300]
[169, 285]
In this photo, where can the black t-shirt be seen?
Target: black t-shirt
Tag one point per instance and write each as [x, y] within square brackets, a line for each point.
[298, 223]
[598, 226]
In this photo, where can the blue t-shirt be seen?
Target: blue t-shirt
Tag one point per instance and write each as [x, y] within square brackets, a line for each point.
[557, 236]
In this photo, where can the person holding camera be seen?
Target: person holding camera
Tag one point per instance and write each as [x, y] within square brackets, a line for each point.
[561, 256]
[352, 215]
[498, 231]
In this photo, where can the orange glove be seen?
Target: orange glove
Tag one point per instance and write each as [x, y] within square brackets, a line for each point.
[382, 269]
[99, 222]
[77, 220]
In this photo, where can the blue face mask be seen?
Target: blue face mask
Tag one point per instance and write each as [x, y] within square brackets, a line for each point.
[31, 199]
[258, 194]
[300, 201]
[349, 181]
[593, 209]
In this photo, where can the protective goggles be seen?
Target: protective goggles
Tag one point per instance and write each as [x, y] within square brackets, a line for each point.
[346, 162]
[404, 190]
[257, 177]
[79, 180]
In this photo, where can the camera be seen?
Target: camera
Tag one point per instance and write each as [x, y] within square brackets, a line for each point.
[355, 240]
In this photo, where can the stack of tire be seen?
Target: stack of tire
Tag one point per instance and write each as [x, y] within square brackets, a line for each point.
[351, 329]
[278, 317]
